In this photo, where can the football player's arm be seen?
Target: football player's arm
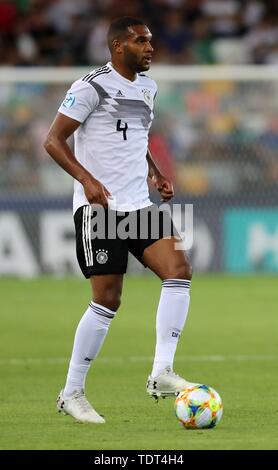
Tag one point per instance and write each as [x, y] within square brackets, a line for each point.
[153, 169]
[57, 147]
[162, 184]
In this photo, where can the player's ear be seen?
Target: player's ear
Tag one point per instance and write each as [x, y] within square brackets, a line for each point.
[117, 46]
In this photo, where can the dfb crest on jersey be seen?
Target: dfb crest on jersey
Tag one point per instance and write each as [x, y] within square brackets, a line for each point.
[147, 97]
[101, 256]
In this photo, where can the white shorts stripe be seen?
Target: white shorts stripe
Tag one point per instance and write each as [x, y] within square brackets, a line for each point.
[84, 235]
[91, 261]
[87, 234]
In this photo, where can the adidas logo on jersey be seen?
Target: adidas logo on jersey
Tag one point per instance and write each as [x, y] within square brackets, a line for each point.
[119, 93]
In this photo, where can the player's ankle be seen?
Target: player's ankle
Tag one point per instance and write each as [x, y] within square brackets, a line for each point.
[159, 368]
[69, 391]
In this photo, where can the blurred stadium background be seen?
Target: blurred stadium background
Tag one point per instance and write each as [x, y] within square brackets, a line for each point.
[216, 134]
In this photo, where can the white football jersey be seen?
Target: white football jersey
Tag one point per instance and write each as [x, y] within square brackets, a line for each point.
[112, 140]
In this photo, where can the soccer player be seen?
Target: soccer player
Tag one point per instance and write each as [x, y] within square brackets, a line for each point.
[110, 111]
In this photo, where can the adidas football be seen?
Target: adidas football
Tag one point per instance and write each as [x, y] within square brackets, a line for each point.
[198, 407]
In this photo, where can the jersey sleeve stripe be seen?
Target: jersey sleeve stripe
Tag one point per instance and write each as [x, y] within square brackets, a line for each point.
[95, 74]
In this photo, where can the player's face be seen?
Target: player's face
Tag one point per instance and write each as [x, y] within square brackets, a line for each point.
[137, 48]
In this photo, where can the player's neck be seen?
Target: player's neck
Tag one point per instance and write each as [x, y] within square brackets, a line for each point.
[124, 71]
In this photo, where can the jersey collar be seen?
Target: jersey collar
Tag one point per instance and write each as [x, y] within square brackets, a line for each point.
[120, 77]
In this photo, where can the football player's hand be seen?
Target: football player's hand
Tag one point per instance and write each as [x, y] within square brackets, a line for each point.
[164, 187]
[95, 192]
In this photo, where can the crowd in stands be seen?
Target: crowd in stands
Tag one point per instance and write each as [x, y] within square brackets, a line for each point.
[209, 137]
[73, 32]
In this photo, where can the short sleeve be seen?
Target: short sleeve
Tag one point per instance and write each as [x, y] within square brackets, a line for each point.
[80, 101]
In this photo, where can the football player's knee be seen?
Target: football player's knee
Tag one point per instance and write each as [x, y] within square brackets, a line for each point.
[188, 270]
[183, 271]
[113, 300]
[110, 299]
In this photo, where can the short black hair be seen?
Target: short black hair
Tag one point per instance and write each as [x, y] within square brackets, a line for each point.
[118, 27]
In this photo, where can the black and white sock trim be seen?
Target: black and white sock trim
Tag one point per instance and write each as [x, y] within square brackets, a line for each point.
[103, 311]
[176, 283]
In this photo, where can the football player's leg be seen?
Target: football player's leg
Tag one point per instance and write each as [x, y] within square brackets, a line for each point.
[173, 268]
[93, 328]
[166, 261]
[90, 335]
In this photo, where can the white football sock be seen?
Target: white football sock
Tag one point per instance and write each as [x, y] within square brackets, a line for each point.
[89, 337]
[170, 320]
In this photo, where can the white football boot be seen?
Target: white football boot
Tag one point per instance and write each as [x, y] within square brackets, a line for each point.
[79, 408]
[166, 384]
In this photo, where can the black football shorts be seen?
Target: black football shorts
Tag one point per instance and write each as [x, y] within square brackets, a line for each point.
[105, 237]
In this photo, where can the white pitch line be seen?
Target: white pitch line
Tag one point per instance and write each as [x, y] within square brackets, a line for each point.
[137, 359]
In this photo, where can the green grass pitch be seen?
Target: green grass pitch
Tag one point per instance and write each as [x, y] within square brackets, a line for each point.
[230, 342]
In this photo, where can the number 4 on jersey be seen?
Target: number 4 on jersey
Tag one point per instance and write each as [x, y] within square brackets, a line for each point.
[122, 129]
